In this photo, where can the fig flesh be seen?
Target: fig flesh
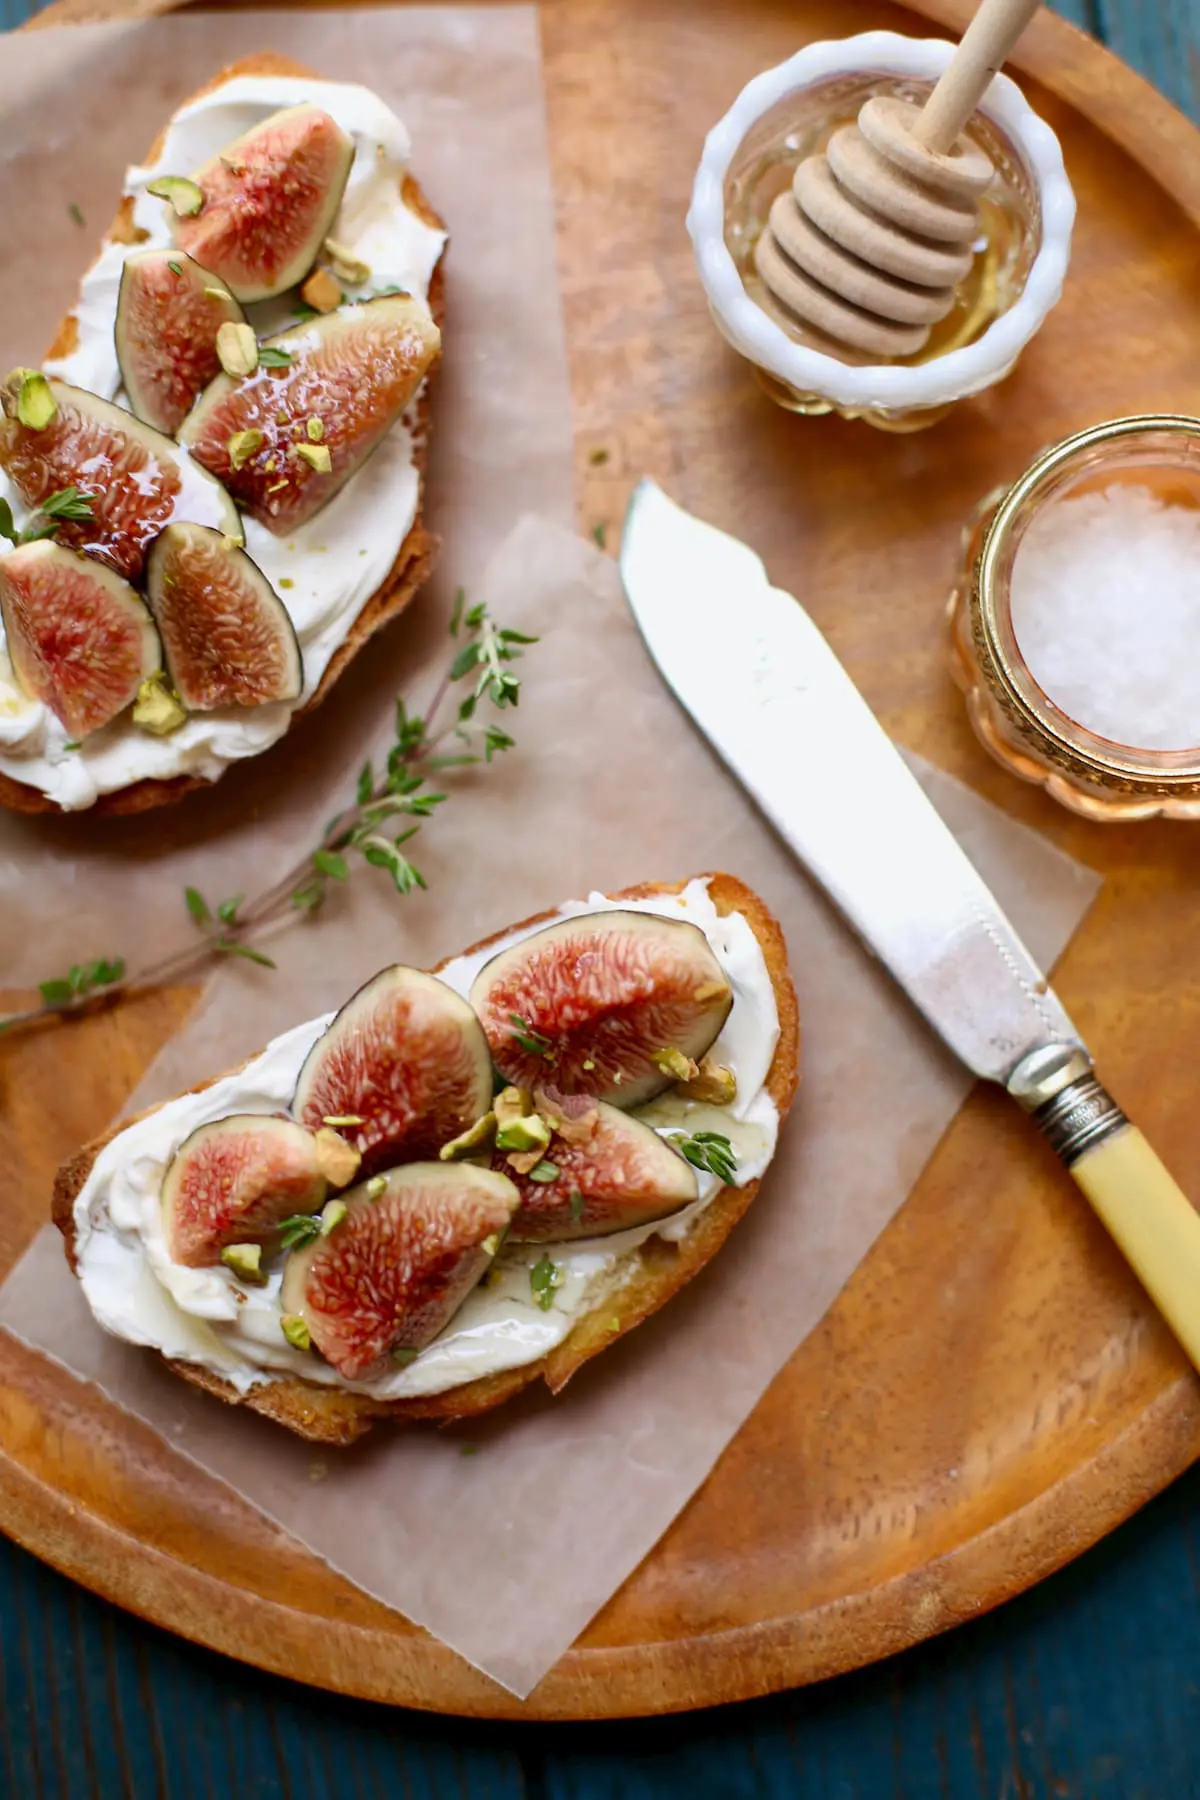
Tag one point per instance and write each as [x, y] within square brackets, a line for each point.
[226, 635]
[619, 1175]
[286, 438]
[234, 1182]
[394, 1271]
[79, 639]
[587, 1003]
[134, 479]
[169, 311]
[268, 201]
[405, 1062]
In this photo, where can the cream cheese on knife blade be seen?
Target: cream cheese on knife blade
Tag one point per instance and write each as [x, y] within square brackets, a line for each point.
[205, 1316]
[331, 566]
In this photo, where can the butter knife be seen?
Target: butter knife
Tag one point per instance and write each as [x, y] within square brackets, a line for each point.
[764, 687]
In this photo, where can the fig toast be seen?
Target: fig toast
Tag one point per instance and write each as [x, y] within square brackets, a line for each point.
[414, 559]
[645, 1276]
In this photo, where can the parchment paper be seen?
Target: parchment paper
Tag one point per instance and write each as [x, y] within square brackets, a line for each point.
[506, 1555]
[77, 105]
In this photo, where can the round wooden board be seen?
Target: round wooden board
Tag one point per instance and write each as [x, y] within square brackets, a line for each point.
[991, 1393]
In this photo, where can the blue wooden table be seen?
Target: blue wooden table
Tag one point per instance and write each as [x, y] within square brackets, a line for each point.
[1086, 1689]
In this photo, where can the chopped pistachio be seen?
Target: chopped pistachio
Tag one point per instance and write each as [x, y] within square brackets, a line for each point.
[491, 1244]
[529, 1133]
[475, 1137]
[216, 293]
[234, 164]
[175, 268]
[332, 1216]
[345, 264]
[285, 581]
[376, 1186]
[158, 708]
[36, 405]
[316, 456]
[544, 1277]
[674, 1063]
[185, 197]
[512, 1103]
[315, 428]
[712, 1083]
[337, 1160]
[544, 1171]
[576, 1204]
[245, 1260]
[237, 348]
[404, 1354]
[242, 446]
[322, 292]
[271, 464]
[276, 485]
[589, 1062]
[336, 1119]
[281, 418]
[614, 1324]
[295, 1330]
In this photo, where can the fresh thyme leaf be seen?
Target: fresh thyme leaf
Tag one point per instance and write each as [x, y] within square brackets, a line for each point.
[465, 661]
[230, 947]
[76, 214]
[175, 268]
[76, 978]
[56, 993]
[270, 356]
[476, 616]
[529, 1039]
[460, 600]
[103, 973]
[544, 1171]
[576, 1204]
[8, 528]
[227, 912]
[330, 862]
[67, 503]
[73, 744]
[544, 1277]
[303, 310]
[600, 532]
[495, 740]
[708, 1150]
[310, 897]
[467, 710]
[198, 906]
[366, 783]
[299, 1230]
[34, 532]
[515, 637]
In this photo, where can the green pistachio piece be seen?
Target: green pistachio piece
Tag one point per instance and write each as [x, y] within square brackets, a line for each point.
[158, 708]
[674, 1063]
[316, 456]
[36, 405]
[245, 1260]
[332, 1216]
[476, 1137]
[237, 348]
[296, 1331]
[530, 1133]
[185, 197]
[242, 446]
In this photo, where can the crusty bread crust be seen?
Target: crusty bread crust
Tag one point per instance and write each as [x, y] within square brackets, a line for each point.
[414, 560]
[646, 1281]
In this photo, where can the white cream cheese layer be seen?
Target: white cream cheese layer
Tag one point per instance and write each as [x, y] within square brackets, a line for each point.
[206, 1316]
[327, 570]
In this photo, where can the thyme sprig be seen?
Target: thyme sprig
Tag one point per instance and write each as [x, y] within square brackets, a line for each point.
[69, 503]
[709, 1150]
[391, 803]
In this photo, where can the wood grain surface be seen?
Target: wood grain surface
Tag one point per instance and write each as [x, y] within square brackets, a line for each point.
[991, 1392]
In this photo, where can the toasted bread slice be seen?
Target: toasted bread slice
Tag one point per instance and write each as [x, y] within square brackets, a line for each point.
[414, 559]
[647, 1278]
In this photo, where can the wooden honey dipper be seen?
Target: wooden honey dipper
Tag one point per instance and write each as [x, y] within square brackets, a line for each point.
[872, 238]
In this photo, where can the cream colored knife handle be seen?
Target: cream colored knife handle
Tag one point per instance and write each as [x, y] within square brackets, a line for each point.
[1147, 1213]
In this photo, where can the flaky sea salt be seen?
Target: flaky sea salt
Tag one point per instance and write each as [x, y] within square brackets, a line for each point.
[1105, 599]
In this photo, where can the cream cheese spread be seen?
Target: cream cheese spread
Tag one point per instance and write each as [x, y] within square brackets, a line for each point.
[326, 571]
[206, 1316]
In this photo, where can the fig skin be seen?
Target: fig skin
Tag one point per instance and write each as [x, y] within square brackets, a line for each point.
[79, 638]
[270, 199]
[135, 479]
[408, 1057]
[596, 996]
[622, 1175]
[227, 637]
[352, 371]
[169, 311]
[396, 1269]
[235, 1181]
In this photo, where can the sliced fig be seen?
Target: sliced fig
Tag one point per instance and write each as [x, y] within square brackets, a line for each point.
[284, 439]
[404, 1066]
[226, 634]
[268, 201]
[620, 1175]
[587, 1003]
[79, 638]
[397, 1267]
[235, 1182]
[134, 479]
[169, 311]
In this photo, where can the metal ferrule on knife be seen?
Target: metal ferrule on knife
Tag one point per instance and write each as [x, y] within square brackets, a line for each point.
[1057, 1086]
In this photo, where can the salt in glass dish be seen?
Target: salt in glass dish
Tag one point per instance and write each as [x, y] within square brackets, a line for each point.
[1014, 719]
[788, 113]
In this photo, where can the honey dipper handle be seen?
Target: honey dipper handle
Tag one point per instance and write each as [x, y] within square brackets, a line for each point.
[985, 47]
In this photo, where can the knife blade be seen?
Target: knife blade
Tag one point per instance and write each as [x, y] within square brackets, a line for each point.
[767, 691]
